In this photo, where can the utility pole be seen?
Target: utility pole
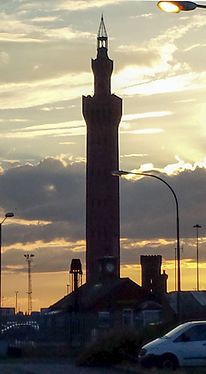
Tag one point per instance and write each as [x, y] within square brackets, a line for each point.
[197, 227]
[175, 269]
[16, 298]
[7, 215]
[29, 260]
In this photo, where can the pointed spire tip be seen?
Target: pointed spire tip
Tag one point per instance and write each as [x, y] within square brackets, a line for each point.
[102, 39]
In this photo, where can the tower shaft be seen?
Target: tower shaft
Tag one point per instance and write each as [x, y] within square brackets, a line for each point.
[102, 114]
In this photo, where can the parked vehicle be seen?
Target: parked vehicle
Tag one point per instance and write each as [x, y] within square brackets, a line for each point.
[185, 345]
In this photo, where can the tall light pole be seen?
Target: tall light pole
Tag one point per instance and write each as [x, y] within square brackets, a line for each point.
[178, 6]
[28, 257]
[197, 227]
[120, 173]
[16, 299]
[7, 215]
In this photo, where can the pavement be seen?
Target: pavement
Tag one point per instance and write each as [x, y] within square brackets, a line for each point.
[63, 367]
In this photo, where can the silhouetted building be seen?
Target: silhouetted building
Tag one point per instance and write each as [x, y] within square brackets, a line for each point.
[7, 312]
[152, 279]
[102, 113]
[121, 303]
[192, 304]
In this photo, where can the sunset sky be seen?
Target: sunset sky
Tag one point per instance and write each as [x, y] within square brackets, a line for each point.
[160, 72]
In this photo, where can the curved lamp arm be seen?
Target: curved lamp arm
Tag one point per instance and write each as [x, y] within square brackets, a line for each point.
[119, 173]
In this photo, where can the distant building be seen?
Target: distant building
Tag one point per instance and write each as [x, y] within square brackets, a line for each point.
[44, 310]
[7, 312]
[192, 304]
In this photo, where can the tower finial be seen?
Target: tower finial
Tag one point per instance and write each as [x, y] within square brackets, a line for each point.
[102, 39]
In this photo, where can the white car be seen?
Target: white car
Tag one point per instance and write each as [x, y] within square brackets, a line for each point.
[183, 346]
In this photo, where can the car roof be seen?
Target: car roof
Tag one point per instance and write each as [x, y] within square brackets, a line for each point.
[193, 322]
[182, 327]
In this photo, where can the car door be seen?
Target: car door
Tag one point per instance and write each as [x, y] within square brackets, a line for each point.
[191, 346]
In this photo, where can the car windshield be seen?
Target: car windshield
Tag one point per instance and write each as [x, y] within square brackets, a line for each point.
[174, 331]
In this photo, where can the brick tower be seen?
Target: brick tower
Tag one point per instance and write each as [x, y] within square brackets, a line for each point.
[102, 113]
[152, 279]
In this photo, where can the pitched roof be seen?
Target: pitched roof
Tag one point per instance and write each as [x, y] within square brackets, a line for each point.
[122, 290]
[192, 302]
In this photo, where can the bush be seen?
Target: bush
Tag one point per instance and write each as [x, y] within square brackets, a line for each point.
[117, 346]
[111, 348]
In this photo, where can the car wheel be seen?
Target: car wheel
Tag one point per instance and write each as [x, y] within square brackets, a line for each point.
[168, 361]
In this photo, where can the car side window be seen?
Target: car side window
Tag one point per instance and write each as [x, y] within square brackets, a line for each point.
[195, 333]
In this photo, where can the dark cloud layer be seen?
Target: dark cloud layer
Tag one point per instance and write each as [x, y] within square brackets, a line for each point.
[47, 191]
[55, 192]
[148, 206]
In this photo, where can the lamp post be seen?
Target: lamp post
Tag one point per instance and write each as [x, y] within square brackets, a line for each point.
[178, 6]
[197, 227]
[16, 299]
[120, 173]
[7, 215]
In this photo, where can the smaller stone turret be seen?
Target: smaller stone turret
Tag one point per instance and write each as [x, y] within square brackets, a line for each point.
[152, 279]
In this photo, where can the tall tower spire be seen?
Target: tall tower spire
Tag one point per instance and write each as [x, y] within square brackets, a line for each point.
[102, 66]
[102, 39]
[102, 114]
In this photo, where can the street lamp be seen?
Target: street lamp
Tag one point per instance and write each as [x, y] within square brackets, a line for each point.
[7, 215]
[120, 173]
[178, 6]
[197, 227]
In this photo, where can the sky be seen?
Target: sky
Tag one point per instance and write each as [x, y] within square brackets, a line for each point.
[45, 67]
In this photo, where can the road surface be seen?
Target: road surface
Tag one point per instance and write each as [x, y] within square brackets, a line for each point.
[64, 367]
